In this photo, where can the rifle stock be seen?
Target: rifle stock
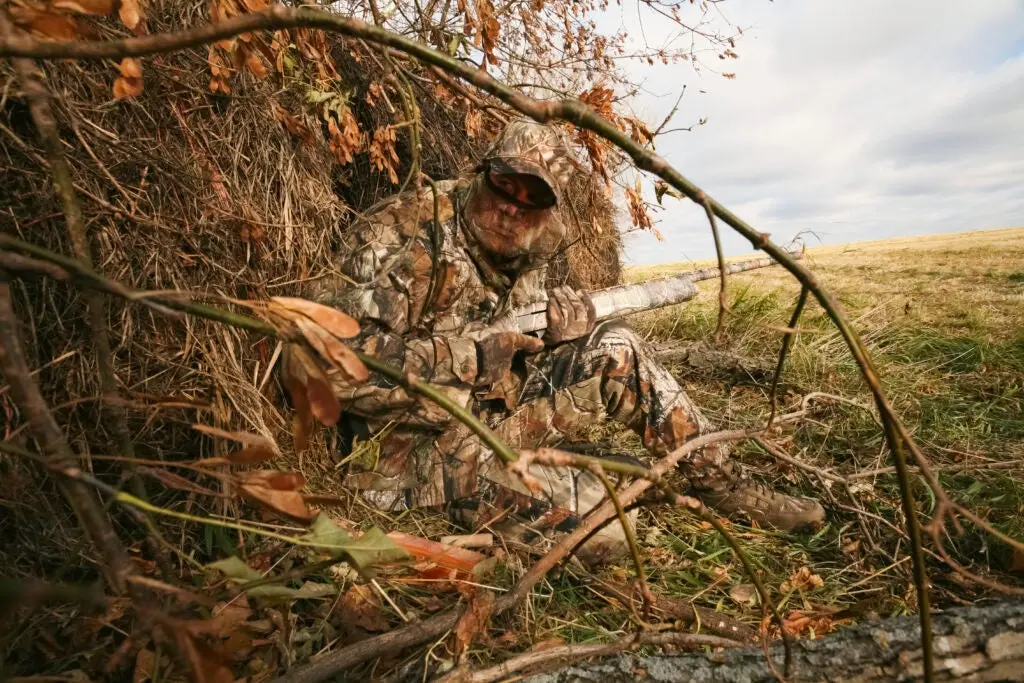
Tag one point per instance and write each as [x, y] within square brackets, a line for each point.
[621, 300]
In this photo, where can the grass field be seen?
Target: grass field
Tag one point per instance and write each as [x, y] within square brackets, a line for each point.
[944, 319]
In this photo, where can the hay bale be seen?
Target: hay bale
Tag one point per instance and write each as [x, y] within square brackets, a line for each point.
[187, 189]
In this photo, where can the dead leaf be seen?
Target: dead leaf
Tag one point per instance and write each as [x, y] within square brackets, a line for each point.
[130, 13]
[361, 608]
[99, 8]
[744, 594]
[450, 557]
[145, 666]
[337, 354]
[277, 491]
[256, 66]
[129, 84]
[331, 319]
[302, 421]
[274, 479]
[474, 621]
[300, 367]
[206, 663]
[50, 24]
[256, 5]
[257, 448]
[802, 579]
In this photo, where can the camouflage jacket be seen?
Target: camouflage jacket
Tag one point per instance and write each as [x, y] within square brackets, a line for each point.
[413, 277]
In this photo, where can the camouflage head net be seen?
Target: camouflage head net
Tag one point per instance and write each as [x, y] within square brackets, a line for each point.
[532, 148]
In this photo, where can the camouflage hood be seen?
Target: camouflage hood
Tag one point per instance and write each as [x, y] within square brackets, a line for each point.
[531, 148]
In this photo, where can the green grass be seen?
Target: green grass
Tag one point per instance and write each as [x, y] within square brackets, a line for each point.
[943, 318]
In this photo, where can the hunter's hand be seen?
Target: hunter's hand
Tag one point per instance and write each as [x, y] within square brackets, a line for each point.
[495, 354]
[570, 316]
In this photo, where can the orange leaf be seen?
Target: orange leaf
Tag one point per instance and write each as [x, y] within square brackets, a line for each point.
[130, 13]
[331, 319]
[256, 66]
[100, 8]
[251, 455]
[130, 68]
[449, 556]
[52, 25]
[255, 5]
[125, 88]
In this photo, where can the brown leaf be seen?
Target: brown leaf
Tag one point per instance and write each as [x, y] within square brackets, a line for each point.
[257, 448]
[331, 319]
[302, 368]
[475, 620]
[744, 594]
[205, 662]
[337, 354]
[802, 579]
[99, 8]
[274, 479]
[287, 503]
[130, 13]
[302, 421]
[255, 5]
[145, 666]
[360, 608]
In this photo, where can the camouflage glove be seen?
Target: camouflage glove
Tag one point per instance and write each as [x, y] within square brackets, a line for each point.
[570, 316]
[495, 353]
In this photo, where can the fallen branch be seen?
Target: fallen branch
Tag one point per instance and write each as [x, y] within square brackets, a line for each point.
[568, 653]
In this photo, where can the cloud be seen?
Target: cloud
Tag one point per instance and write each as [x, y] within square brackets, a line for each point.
[854, 119]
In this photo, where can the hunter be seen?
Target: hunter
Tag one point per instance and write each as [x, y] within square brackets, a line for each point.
[432, 277]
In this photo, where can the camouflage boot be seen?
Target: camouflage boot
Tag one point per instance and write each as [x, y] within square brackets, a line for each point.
[727, 490]
[537, 522]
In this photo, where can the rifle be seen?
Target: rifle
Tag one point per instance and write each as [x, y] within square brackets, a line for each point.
[621, 300]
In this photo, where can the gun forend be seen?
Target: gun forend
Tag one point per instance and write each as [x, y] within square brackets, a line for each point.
[620, 300]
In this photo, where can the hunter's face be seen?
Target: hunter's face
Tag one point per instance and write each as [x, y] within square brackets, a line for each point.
[515, 218]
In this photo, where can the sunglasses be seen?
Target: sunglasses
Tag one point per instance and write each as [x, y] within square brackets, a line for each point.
[522, 189]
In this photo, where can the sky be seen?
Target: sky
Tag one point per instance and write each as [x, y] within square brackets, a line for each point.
[848, 120]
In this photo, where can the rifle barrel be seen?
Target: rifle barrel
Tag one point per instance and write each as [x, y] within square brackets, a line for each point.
[621, 300]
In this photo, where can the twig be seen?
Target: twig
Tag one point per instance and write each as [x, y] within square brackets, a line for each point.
[779, 454]
[787, 339]
[634, 547]
[723, 294]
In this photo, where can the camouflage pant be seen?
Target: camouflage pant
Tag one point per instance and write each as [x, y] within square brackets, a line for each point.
[612, 374]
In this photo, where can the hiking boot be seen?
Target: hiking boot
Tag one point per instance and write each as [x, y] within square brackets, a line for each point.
[729, 492]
